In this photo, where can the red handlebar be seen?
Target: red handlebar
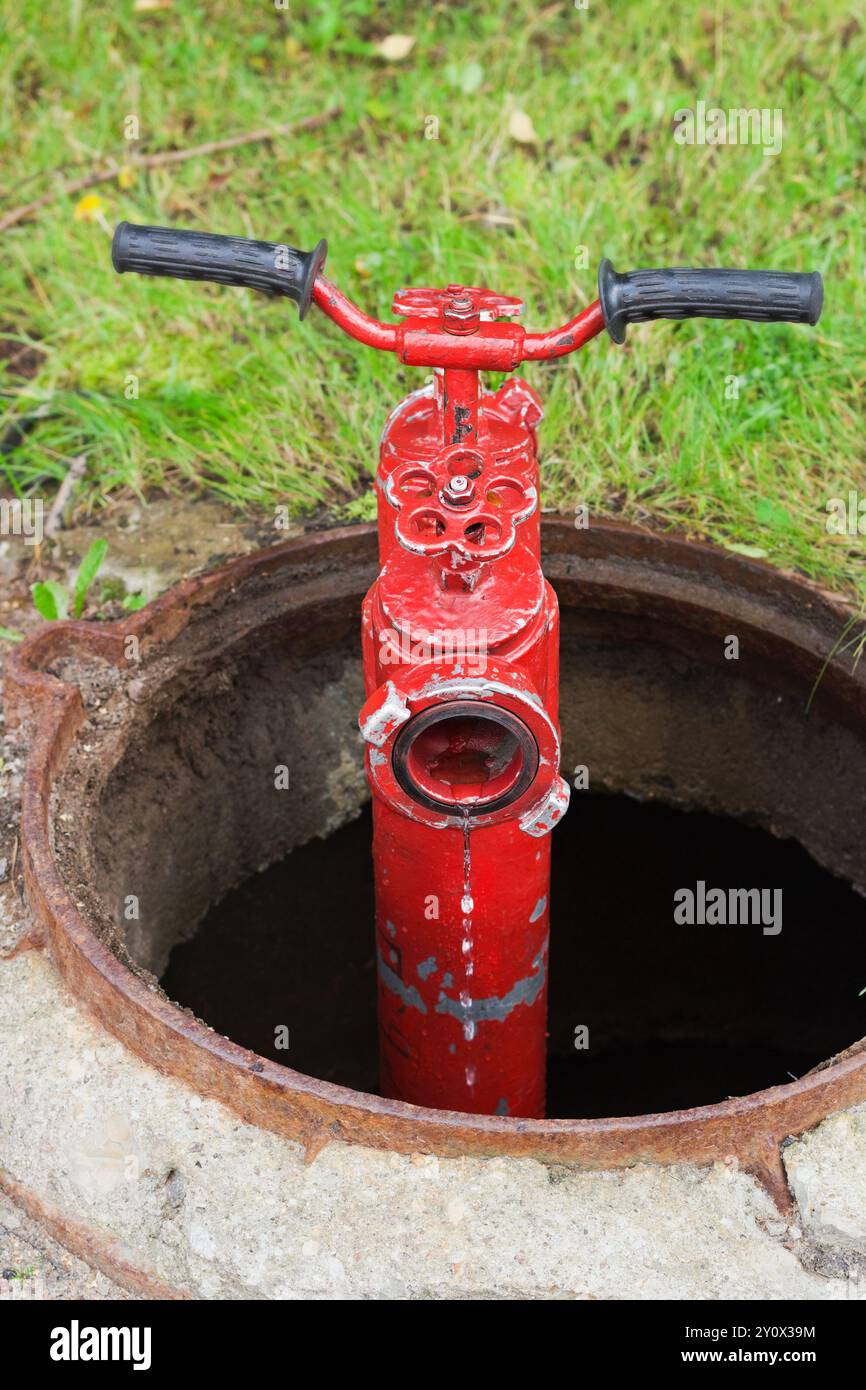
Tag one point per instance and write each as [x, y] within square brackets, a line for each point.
[459, 326]
[568, 338]
[351, 319]
[427, 341]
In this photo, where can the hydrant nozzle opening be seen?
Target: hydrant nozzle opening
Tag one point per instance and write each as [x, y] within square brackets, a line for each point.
[467, 756]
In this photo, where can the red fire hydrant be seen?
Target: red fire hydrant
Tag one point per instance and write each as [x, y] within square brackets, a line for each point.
[461, 650]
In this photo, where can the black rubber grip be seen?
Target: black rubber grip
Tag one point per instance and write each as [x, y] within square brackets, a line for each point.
[268, 266]
[766, 296]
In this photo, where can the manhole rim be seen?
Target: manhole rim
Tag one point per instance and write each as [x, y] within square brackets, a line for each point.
[747, 1129]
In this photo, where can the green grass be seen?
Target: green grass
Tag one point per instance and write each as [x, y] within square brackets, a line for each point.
[238, 398]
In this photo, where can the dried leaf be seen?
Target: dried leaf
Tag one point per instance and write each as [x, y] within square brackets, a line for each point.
[752, 552]
[141, 6]
[521, 129]
[466, 79]
[396, 47]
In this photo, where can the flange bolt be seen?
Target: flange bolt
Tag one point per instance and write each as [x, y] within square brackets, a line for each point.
[459, 491]
[460, 313]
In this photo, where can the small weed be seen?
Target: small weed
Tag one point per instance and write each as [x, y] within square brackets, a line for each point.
[52, 600]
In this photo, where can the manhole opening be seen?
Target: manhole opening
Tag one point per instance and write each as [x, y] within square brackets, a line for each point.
[677, 1015]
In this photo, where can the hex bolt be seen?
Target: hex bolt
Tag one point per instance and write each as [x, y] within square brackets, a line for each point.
[459, 491]
[460, 314]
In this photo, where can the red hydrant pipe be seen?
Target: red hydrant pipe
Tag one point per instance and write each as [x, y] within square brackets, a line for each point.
[461, 636]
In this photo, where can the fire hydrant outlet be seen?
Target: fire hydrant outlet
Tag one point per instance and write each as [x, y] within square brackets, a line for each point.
[444, 747]
[467, 757]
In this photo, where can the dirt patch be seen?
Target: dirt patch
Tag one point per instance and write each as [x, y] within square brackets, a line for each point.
[35, 1267]
[17, 358]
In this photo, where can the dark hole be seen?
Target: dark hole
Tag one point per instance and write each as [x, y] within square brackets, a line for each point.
[677, 1015]
[429, 524]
